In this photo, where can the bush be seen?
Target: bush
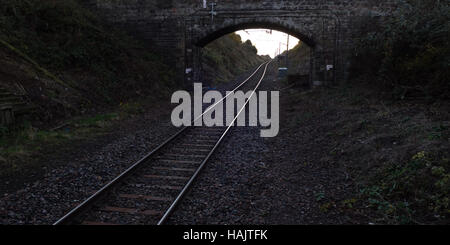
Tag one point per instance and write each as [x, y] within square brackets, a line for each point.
[249, 46]
[413, 192]
[64, 38]
[229, 56]
[409, 52]
[61, 34]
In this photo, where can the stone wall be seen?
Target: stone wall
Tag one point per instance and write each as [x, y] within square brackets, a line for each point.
[180, 28]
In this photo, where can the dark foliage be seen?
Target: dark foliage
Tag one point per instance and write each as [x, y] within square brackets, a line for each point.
[409, 54]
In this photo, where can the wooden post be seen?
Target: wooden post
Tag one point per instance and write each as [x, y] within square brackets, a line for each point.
[6, 115]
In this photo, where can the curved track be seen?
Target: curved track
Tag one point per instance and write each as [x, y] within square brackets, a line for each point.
[148, 191]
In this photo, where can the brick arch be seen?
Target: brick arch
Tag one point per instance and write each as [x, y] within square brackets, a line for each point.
[305, 27]
[217, 32]
[316, 28]
[178, 28]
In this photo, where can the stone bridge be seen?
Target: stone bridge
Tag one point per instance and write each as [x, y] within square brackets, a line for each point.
[181, 28]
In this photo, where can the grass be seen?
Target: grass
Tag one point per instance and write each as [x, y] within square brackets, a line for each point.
[413, 192]
[19, 147]
[97, 120]
[413, 189]
[395, 151]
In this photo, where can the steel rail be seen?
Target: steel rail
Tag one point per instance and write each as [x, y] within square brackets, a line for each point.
[94, 197]
[228, 94]
[199, 169]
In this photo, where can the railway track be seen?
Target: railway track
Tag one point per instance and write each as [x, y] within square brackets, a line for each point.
[148, 191]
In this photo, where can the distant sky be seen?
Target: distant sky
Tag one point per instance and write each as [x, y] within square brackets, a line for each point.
[266, 43]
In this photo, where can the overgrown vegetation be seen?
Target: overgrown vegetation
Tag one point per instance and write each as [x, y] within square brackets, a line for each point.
[227, 57]
[409, 54]
[83, 75]
[60, 34]
[76, 49]
[407, 57]
[414, 192]
[21, 145]
[403, 146]
[299, 59]
[299, 63]
[73, 68]
[395, 153]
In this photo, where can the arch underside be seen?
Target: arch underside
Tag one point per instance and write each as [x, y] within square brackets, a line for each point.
[324, 61]
[220, 32]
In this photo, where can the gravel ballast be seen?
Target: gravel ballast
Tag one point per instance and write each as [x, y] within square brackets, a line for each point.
[73, 176]
[281, 180]
[249, 180]
[85, 170]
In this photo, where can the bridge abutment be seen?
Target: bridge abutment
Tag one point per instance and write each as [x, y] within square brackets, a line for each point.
[179, 29]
